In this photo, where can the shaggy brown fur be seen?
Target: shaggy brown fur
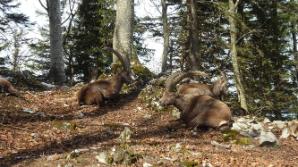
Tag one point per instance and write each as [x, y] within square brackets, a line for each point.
[202, 110]
[6, 86]
[216, 90]
[97, 91]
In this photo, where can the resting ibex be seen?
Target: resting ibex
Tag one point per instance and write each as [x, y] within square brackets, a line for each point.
[216, 90]
[6, 86]
[97, 91]
[202, 110]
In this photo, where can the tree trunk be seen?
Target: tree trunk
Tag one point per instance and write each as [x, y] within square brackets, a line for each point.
[193, 35]
[57, 73]
[16, 53]
[295, 51]
[123, 32]
[233, 34]
[166, 36]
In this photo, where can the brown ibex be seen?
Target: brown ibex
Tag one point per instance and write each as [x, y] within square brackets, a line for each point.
[202, 110]
[217, 90]
[97, 91]
[6, 86]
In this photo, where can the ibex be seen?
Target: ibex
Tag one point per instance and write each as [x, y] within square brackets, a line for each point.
[6, 86]
[97, 91]
[216, 90]
[201, 110]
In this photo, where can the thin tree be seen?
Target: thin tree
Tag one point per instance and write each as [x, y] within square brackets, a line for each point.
[17, 37]
[193, 34]
[233, 34]
[166, 35]
[57, 73]
[295, 50]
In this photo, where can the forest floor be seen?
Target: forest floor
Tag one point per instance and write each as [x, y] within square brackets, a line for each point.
[48, 128]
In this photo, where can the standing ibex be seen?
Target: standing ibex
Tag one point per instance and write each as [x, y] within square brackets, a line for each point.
[202, 110]
[216, 90]
[97, 91]
[6, 86]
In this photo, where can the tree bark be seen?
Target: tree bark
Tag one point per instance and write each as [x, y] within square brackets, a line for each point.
[57, 73]
[233, 33]
[16, 53]
[166, 36]
[193, 35]
[123, 32]
[295, 51]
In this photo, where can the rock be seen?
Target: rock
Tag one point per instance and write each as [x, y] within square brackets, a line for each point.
[147, 116]
[285, 133]
[266, 120]
[35, 135]
[146, 164]
[73, 154]
[247, 127]
[220, 145]
[238, 126]
[177, 147]
[102, 158]
[28, 110]
[48, 86]
[255, 130]
[69, 165]
[80, 115]
[293, 128]
[205, 163]
[119, 155]
[267, 139]
[42, 114]
[279, 124]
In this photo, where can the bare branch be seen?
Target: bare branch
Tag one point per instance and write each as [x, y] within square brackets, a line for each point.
[72, 13]
[236, 3]
[43, 5]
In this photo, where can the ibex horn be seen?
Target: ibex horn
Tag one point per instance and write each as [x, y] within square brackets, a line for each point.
[123, 59]
[175, 78]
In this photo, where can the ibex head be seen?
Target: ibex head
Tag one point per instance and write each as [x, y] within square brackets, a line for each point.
[169, 95]
[7, 87]
[127, 75]
[220, 86]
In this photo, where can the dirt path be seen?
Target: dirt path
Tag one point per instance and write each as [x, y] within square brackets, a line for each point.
[58, 126]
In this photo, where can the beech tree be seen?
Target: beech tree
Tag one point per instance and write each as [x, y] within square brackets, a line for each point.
[123, 31]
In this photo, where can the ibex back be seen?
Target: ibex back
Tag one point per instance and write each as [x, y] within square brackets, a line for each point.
[217, 90]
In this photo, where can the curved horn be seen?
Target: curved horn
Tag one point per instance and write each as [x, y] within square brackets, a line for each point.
[223, 78]
[169, 83]
[123, 59]
[220, 86]
[178, 76]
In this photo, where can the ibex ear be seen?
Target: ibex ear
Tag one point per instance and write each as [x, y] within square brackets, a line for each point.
[223, 82]
[217, 86]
